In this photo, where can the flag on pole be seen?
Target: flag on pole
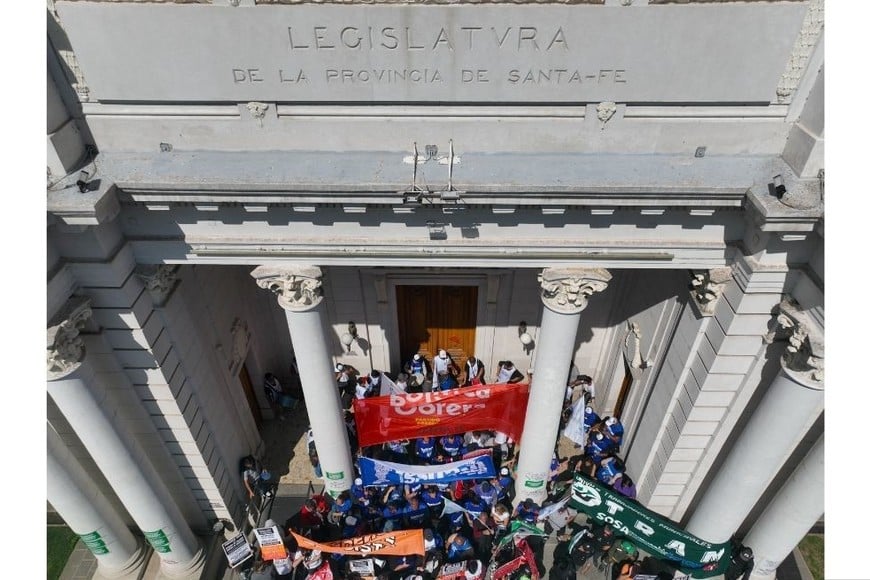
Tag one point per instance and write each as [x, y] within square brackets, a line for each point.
[451, 507]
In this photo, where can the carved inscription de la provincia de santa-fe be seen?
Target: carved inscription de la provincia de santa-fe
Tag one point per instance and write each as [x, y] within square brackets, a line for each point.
[510, 55]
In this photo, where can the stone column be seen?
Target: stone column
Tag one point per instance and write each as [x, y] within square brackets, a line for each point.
[796, 508]
[565, 293]
[300, 292]
[72, 384]
[86, 511]
[794, 399]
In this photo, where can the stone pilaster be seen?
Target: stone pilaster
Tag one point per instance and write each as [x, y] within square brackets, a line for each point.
[794, 400]
[73, 382]
[565, 293]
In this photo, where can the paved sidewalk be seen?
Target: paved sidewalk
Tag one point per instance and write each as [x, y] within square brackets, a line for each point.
[81, 564]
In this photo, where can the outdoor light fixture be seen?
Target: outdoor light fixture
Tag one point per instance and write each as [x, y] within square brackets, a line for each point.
[525, 337]
[348, 337]
[83, 181]
[778, 186]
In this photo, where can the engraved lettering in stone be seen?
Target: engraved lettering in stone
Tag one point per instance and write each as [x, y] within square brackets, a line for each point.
[471, 76]
[247, 75]
[471, 30]
[558, 76]
[356, 39]
[527, 33]
[384, 76]
[319, 39]
[442, 37]
[292, 77]
[409, 43]
[522, 38]
[294, 46]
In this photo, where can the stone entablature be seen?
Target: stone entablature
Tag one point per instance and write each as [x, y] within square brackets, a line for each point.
[446, 53]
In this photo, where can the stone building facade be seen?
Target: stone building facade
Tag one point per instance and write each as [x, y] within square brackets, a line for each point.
[637, 186]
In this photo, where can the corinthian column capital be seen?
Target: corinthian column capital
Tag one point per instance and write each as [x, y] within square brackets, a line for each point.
[805, 352]
[567, 290]
[297, 287]
[66, 350]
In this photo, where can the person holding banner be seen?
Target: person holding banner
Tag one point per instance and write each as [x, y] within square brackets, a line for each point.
[452, 446]
[424, 450]
[474, 371]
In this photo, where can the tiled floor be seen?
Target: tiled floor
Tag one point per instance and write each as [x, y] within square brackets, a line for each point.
[81, 564]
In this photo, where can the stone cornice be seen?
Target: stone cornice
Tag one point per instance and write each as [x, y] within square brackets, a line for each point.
[298, 287]
[567, 290]
[90, 208]
[65, 349]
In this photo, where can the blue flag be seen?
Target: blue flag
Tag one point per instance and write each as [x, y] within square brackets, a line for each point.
[375, 472]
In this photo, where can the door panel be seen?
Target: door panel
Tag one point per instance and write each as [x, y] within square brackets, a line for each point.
[248, 386]
[435, 317]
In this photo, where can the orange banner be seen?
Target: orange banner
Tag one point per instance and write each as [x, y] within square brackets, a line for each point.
[390, 544]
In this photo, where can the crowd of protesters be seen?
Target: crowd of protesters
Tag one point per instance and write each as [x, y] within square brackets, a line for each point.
[462, 521]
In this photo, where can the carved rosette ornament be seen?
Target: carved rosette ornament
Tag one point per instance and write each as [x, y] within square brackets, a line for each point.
[298, 288]
[707, 287]
[66, 350]
[805, 352]
[159, 280]
[567, 290]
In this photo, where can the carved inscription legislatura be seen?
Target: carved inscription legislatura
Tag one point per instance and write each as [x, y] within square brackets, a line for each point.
[508, 55]
[407, 38]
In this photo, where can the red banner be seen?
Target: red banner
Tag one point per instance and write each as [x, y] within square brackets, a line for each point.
[486, 407]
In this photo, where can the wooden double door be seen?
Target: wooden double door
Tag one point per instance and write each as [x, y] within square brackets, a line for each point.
[436, 317]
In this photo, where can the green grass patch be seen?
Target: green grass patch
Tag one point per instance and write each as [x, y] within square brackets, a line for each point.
[61, 541]
[812, 548]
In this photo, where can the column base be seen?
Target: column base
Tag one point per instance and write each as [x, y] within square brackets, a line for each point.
[134, 569]
[191, 570]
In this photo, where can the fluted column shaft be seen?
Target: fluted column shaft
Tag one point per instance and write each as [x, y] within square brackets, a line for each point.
[86, 511]
[565, 293]
[72, 385]
[299, 292]
[793, 512]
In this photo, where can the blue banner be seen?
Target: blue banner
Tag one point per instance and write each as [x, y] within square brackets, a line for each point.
[375, 472]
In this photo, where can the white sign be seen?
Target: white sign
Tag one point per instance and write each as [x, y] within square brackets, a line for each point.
[237, 550]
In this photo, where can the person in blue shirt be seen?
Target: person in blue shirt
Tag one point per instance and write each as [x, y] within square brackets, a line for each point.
[433, 499]
[505, 485]
[459, 548]
[392, 515]
[609, 469]
[424, 449]
[451, 445]
[487, 493]
[415, 513]
[527, 511]
[599, 445]
[357, 490]
[613, 429]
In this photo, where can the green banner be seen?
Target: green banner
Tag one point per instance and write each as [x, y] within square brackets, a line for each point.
[94, 542]
[650, 531]
[158, 541]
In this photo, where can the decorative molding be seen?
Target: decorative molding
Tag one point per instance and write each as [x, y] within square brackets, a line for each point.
[66, 350]
[811, 29]
[258, 110]
[159, 279]
[605, 111]
[298, 288]
[707, 288]
[805, 352]
[241, 341]
[567, 290]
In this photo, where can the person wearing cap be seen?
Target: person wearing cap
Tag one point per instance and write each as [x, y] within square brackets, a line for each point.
[357, 490]
[417, 367]
[599, 446]
[505, 485]
[443, 366]
[613, 429]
